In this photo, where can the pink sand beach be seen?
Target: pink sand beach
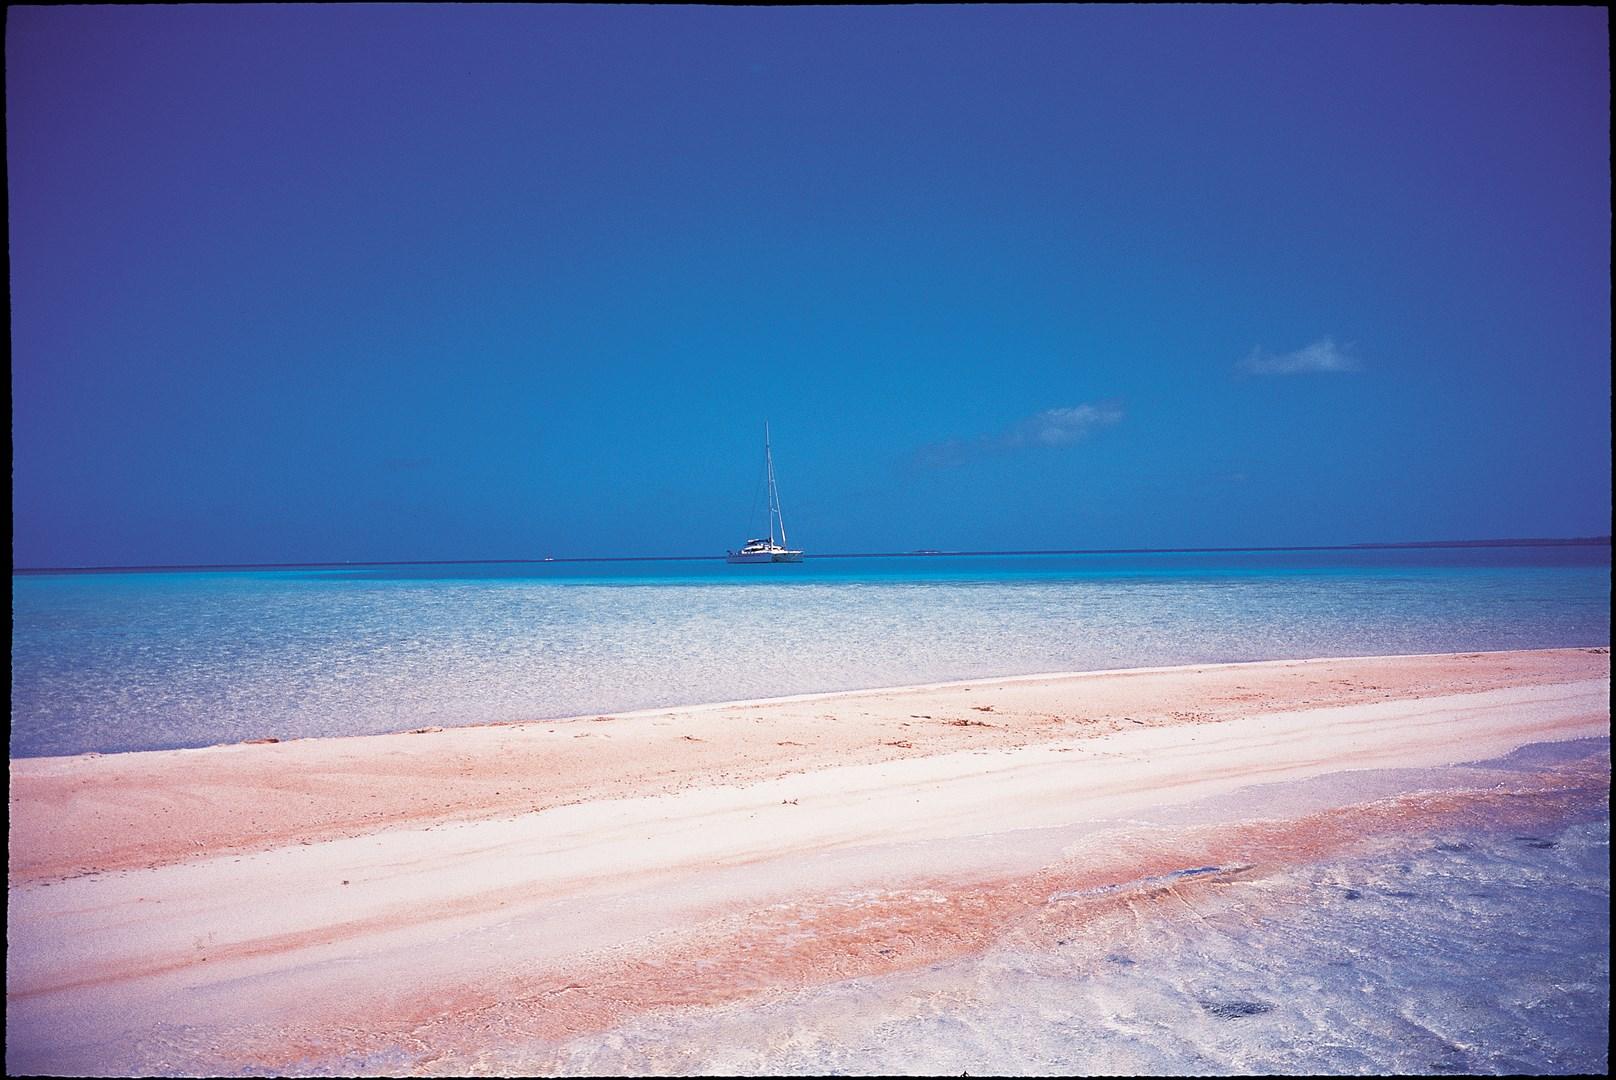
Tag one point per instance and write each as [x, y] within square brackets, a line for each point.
[423, 901]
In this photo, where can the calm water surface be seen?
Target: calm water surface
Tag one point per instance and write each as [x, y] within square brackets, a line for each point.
[149, 660]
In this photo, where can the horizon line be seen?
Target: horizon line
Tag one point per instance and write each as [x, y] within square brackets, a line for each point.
[1570, 541]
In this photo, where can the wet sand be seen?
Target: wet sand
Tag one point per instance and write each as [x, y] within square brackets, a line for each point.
[387, 902]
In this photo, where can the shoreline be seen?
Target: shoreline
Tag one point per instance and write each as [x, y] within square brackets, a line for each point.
[92, 813]
[730, 704]
[418, 899]
[1000, 680]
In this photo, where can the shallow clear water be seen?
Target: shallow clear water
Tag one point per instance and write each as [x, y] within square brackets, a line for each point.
[1466, 953]
[149, 660]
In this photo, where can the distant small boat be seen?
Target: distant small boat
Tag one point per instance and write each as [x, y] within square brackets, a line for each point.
[760, 550]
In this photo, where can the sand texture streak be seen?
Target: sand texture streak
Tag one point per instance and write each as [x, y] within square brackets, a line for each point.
[418, 901]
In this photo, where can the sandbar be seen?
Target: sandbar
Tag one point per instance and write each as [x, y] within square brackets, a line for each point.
[398, 902]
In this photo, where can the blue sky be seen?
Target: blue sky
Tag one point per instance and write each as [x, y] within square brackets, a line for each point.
[369, 282]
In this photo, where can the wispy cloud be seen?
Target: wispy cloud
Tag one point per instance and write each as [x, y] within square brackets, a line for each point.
[1059, 427]
[1321, 356]
[1049, 428]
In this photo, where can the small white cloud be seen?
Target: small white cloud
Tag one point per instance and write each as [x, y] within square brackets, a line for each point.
[1060, 427]
[1052, 427]
[1321, 356]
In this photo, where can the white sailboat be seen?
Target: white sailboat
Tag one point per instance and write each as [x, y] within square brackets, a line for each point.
[762, 550]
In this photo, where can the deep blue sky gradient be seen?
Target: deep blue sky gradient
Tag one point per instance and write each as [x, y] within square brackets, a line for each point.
[371, 282]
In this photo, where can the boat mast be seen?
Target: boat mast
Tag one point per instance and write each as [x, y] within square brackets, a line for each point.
[774, 493]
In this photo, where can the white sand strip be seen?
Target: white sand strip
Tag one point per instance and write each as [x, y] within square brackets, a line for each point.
[275, 910]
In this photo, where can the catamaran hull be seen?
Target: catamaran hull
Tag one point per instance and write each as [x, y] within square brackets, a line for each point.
[765, 557]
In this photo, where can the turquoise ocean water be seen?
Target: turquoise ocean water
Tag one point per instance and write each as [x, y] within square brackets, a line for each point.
[159, 659]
